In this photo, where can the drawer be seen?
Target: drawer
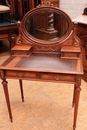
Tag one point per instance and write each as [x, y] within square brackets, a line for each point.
[70, 55]
[20, 74]
[20, 52]
[40, 76]
[57, 77]
[70, 52]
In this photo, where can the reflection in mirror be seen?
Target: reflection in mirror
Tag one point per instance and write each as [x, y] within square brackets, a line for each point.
[47, 25]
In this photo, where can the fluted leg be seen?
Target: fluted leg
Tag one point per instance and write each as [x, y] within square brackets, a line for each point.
[5, 87]
[76, 103]
[73, 96]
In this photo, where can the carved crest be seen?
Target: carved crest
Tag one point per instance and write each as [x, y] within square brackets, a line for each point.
[45, 3]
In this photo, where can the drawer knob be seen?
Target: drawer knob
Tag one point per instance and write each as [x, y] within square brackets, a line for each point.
[19, 52]
[70, 55]
[20, 75]
[57, 78]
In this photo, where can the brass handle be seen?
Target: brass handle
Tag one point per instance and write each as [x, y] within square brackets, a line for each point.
[20, 74]
[57, 78]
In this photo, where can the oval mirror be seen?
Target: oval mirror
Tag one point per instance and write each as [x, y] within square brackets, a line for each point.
[46, 25]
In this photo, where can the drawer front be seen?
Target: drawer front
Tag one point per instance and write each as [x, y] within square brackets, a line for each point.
[40, 76]
[71, 54]
[21, 74]
[20, 52]
[57, 77]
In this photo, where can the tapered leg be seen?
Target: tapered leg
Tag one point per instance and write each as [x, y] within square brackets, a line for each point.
[5, 87]
[21, 88]
[73, 96]
[76, 103]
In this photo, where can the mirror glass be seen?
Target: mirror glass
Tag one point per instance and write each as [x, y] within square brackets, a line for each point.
[47, 24]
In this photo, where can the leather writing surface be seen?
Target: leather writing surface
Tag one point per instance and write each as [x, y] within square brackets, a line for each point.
[47, 62]
[44, 63]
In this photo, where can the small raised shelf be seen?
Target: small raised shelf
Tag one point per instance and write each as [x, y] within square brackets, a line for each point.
[22, 50]
[70, 52]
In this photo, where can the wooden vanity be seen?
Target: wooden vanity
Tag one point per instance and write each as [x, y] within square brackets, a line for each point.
[45, 49]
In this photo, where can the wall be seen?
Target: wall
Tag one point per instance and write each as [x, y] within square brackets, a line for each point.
[73, 7]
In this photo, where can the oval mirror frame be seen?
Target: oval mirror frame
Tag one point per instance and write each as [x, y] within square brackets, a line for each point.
[55, 10]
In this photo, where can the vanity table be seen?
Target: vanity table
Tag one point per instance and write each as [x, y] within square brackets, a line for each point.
[47, 52]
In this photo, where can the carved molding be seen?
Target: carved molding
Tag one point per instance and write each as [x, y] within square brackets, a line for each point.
[18, 40]
[47, 49]
[76, 41]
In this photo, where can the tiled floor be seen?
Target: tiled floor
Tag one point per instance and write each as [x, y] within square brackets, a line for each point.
[47, 106]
